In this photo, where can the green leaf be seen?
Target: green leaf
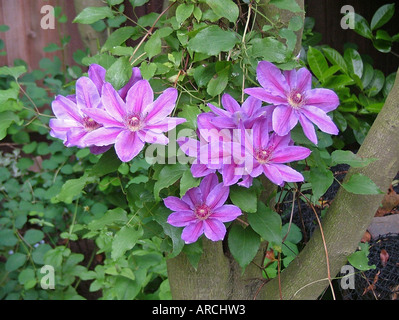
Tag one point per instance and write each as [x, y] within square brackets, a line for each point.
[7, 118]
[15, 72]
[382, 16]
[27, 278]
[294, 235]
[125, 239]
[389, 81]
[244, 198]
[115, 216]
[153, 46]
[361, 184]
[224, 8]
[15, 261]
[321, 180]
[368, 74]
[268, 49]
[348, 157]
[138, 3]
[362, 27]
[33, 236]
[168, 176]
[7, 238]
[118, 37]
[317, 63]
[90, 15]
[376, 84]
[267, 223]
[335, 58]
[360, 261]
[219, 82]
[221, 41]
[183, 12]
[108, 163]
[119, 73]
[187, 181]
[354, 62]
[290, 5]
[243, 244]
[174, 233]
[72, 188]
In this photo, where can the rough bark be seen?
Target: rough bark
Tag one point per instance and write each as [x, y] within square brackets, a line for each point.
[91, 38]
[349, 215]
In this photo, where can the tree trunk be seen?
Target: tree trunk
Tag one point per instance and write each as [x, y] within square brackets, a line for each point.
[90, 37]
[349, 215]
[218, 276]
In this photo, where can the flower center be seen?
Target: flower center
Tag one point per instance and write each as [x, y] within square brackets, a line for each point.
[89, 124]
[263, 155]
[296, 99]
[202, 212]
[133, 122]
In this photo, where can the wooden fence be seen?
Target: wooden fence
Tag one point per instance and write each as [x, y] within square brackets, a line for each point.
[26, 39]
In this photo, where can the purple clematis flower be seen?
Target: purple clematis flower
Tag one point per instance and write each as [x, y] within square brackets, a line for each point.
[268, 154]
[294, 100]
[129, 125]
[202, 210]
[233, 114]
[72, 124]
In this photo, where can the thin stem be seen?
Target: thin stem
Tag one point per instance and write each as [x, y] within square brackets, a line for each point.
[324, 244]
[150, 30]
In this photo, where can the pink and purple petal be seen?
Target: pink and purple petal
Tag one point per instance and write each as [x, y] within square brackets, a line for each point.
[99, 150]
[251, 106]
[199, 170]
[325, 99]
[192, 232]
[214, 229]
[162, 107]
[230, 104]
[271, 78]
[166, 125]
[150, 136]
[273, 174]
[97, 75]
[139, 97]
[128, 145]
[102, 137]
[64, 108]
[176, 204]
[246, 182]
[226, 213]
[193, 197]
[266, 96]
[102, 117]
[284, 120]
[320, 119]
[304, 80]
[288, 174]
[308, 128]
[113, 103]
[218, 196]
[87, 95]
[181, 218]
[207, 184]
[290, 154]
[219, 112]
